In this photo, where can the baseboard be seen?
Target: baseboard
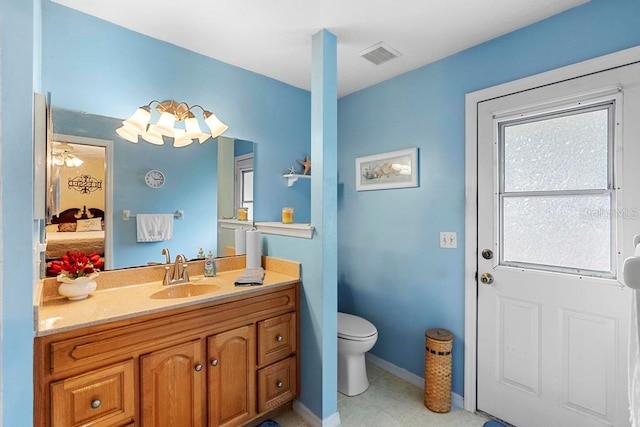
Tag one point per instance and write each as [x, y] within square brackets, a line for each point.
[456, 399]
[312, 419]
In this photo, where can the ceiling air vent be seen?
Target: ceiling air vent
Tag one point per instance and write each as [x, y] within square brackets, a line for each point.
[379, 53]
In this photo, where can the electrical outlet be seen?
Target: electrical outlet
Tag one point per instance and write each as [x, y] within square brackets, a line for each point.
[448, 239]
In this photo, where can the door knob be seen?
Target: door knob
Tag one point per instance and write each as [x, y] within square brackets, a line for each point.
[279, 384]
[486, 278]
[198, 367]
[279, 338]
[214, 362]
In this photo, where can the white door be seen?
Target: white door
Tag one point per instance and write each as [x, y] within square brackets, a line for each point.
[558, 206]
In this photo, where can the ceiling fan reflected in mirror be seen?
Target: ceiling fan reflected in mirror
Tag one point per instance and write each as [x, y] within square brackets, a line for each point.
[63, 156]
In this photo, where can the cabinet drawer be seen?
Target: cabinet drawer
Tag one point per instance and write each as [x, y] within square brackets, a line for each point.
[276, 384]
[276, 338]
[103, 397]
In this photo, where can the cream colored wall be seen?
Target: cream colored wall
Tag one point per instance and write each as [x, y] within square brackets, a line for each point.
[70, 198]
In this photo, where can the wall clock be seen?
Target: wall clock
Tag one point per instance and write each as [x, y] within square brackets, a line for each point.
[154, 178]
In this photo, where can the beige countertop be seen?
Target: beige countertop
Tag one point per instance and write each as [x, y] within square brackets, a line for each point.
[116, 303]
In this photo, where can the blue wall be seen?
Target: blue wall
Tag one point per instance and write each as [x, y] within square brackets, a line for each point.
[17, 28]
[391, 269]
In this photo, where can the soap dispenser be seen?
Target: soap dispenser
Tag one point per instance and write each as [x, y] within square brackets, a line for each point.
[209, 265]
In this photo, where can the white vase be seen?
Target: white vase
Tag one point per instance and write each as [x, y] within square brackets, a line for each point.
[78, 288]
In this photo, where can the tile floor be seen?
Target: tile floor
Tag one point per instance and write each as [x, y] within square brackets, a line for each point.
[389, 402]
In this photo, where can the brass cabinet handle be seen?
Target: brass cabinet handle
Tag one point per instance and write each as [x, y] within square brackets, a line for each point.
[214, 362]
[279, 338]
[95, 404]
[279, 384]
[198, 367]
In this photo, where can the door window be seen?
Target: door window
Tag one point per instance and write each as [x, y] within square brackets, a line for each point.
[556, 194]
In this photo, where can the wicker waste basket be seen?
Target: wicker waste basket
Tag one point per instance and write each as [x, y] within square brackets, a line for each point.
[437, 370]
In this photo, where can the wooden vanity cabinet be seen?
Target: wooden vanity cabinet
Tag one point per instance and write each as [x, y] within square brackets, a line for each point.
[222, 363]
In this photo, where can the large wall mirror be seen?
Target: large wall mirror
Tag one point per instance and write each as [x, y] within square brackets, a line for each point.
[107, 177]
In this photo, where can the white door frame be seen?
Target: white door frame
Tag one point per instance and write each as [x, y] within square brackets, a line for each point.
[108, 198]
[472, 99]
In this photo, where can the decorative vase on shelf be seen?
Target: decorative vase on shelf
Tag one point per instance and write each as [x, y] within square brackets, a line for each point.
[78, 288]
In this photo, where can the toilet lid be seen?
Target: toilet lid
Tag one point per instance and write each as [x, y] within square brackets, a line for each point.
[350, 326]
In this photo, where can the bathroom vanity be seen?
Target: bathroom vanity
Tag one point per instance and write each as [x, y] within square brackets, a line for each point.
[221, 358]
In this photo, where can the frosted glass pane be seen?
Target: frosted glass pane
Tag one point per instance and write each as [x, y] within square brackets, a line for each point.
[247, 186]
[561, 153]
[571, 231]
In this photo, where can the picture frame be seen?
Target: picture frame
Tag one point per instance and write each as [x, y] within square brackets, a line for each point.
[394, 169]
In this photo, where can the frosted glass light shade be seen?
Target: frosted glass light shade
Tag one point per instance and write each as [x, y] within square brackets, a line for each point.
[181, 138]
[203, 137]
[165, 124]
[139, 120]
[215, 125]
[192, 128]
[153, 136]
[72, 161]
[128, 132]
[57, 160]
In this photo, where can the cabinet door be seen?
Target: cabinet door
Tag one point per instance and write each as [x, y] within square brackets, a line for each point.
[232, 377]
[172, 386]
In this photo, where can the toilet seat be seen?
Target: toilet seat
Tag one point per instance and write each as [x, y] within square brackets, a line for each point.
[354, 328]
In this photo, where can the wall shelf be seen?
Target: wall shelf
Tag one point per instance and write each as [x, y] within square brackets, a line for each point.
[293, 177]
[304, 231]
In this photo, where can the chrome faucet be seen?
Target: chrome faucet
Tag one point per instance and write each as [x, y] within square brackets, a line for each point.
[180, 273]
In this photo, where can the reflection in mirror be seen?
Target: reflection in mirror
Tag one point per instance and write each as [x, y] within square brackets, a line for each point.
[191, 185]
[235, 186]
[76, 199]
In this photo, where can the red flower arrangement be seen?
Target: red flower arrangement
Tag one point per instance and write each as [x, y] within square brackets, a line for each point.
[76, 264]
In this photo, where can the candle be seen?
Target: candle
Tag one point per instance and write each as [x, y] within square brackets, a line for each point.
[287, 215]
[243, 214]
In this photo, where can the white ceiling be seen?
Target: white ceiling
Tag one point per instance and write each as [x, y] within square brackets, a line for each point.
[273, 37]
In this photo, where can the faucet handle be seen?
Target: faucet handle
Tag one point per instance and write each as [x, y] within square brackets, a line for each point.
[167, 256]
[167, 276]
[185, 273]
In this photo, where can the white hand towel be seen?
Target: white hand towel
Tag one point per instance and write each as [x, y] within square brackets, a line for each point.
[634, 362]
[154, 227]
[631, 275]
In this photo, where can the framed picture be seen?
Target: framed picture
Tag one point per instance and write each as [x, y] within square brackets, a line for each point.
[395, 169]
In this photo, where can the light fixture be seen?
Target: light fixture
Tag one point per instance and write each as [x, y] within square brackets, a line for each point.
[63, 157]
[171, 113]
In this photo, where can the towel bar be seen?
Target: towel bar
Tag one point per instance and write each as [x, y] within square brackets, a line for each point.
[126, 214]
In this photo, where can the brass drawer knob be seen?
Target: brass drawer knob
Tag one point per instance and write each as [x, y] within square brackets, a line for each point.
[214, 362]
[95, 404]
[279, 338]
[279, 384]
[198, 367]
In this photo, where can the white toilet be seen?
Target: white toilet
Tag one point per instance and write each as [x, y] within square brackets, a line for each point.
[356, 336]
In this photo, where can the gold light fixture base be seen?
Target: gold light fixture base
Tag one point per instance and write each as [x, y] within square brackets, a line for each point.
[179, 110]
